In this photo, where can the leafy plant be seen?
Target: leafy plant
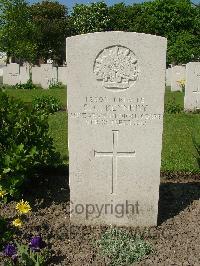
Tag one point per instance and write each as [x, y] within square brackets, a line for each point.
[121, 248]
[181, 83]
[58, 85]
[172, 107]
[47, 104]
[25, 144]
[27, 86]
[33, 254]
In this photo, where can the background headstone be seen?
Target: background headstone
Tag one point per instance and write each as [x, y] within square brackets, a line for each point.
[62, 75]
[24, 74]
[192, 86]
[116, 84]
[177, 74]
[168, 76]
[49, 75]
[36, 75]
[11, 74]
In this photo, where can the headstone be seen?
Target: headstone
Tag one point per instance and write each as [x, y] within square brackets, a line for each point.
[49, 75]
[168, 76]
[11, 75]
[24, 74]
[116, 84]
[192, 87]
[36, 75]
[177, 76]
[62, 75]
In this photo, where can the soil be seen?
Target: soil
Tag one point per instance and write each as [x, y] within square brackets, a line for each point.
[176, 239]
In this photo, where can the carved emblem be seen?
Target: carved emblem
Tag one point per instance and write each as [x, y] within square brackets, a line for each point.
[117, 67]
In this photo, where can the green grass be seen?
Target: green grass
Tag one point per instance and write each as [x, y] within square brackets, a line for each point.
[178, 153]
[58, 131]
[28, 95]
[176, 96]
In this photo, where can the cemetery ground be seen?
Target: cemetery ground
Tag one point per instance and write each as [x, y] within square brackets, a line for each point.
[175, 241]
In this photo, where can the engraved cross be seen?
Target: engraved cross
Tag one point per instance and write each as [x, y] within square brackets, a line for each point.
[114, 154]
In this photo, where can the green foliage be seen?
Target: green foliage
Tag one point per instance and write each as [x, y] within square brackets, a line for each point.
[90, 18]
[17, 31]
[183, 48]
[121, 248]
[58, 85]
[47, 104]
[172, 107]
[53, 26]
[177, 20]
[38, 31]
[25, 144]
[5, 232]
[25, 256]
[29, 257]
[27, 86]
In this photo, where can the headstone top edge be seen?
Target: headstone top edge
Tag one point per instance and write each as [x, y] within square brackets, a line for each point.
[117, 32]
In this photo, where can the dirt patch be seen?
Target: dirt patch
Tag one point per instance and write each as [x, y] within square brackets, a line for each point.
[175, 240]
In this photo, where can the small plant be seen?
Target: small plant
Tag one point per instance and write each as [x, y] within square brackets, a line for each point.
[7, 227]
[172, 107]
[27, 86]
[47, 104]
[33, 254]
[57, 85]
[121, 248]
[181, 83]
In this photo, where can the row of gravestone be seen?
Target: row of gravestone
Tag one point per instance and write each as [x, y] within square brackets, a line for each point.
[177, 77]
[45, 75]
[186, 77]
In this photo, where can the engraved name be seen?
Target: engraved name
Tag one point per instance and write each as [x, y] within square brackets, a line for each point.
[115, 111]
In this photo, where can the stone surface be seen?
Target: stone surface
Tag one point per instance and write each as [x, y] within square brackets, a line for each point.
[192, 86]
[116, 84]
[36, 75]
[24, 74]
[177, 74]
[11, 74]
[49, 75]
[168, 76]
[62, 75]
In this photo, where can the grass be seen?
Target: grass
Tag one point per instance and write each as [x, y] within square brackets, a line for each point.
[58, 130]
[178, 153]
[28, 95]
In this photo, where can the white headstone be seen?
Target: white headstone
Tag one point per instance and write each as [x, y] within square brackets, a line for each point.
[49, 75]
[177, 76]
[168, 76]
[192, 87]
[36, 75]
[24, 74]
[11, 75]
[116, 84]
[62, 75]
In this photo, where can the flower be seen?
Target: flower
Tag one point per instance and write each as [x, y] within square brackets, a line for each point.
[2, 193]
[17, 222]
[10, 250]
[36, 243]
[23, 207]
